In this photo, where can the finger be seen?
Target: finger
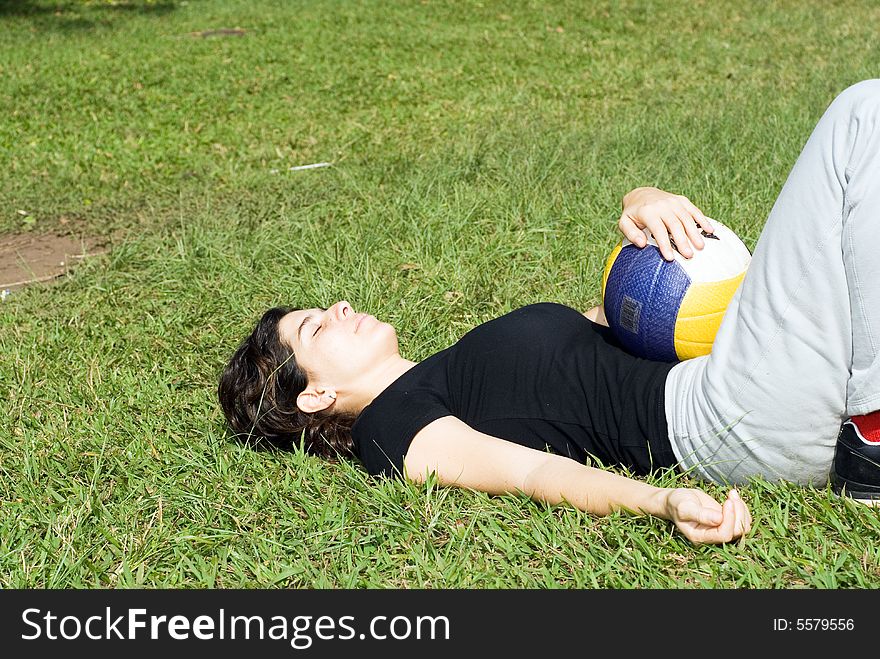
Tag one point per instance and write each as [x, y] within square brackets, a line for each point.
[725, 529]
[676, 228]
[659, 231]
[741, 525]
[722, 532]
[706, 535]
[698, 215]
[709, 516]
[693, 231]
[748, 518]
[737, 514]
[707, 224]
[631, 230]
[743, 519]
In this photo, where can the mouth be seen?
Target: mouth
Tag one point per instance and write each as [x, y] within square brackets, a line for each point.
[358, 322]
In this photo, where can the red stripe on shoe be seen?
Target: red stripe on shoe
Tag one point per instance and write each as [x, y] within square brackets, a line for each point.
[868, 426]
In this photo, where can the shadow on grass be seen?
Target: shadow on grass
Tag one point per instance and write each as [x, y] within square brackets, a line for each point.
[82, 14]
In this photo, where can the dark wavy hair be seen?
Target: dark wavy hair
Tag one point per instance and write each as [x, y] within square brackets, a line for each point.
[258, 391]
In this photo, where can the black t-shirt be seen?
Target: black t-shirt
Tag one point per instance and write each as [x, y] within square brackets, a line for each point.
[542, 376]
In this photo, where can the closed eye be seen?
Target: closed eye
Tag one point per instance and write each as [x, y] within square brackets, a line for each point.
[317, 329]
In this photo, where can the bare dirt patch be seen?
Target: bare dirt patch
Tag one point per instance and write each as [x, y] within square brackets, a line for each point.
[30, 258]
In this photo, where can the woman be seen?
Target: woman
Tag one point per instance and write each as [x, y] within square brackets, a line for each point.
[520, 403]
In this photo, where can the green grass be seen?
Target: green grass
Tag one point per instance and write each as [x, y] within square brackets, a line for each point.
[480, 152]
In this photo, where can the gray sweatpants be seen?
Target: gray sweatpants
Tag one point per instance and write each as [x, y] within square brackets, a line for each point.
[797, 351]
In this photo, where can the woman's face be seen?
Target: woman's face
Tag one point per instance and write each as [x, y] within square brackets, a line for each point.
[337, 346]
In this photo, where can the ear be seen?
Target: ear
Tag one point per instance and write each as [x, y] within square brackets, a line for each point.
[314, 399]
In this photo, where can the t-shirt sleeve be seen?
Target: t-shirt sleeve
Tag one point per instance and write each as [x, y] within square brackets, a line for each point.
[384, 430]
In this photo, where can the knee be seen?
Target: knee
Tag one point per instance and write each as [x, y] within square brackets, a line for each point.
[861, 96]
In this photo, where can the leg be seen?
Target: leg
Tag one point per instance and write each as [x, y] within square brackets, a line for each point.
[797, 351]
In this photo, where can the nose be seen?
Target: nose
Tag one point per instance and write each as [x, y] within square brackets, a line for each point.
[341, 310]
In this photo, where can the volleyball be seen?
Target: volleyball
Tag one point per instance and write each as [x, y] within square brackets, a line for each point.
[671, 310]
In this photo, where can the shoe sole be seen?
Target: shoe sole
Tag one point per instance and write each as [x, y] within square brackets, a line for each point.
[868, 495]
[859, 497]
[871, 503]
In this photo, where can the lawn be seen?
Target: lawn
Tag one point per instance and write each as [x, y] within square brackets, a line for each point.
[479, 153]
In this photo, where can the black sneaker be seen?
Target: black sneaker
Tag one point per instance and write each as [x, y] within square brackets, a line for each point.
[856, 470]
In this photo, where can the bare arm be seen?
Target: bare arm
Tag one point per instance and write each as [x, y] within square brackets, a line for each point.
[463, 457]
[597, 315]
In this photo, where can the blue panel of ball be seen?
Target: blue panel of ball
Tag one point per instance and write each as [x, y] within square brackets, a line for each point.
[642, 297]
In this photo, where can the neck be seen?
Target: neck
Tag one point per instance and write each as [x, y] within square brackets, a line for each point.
[376, 382]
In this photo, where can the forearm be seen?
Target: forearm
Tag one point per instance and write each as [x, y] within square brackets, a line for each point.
[559, 479]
